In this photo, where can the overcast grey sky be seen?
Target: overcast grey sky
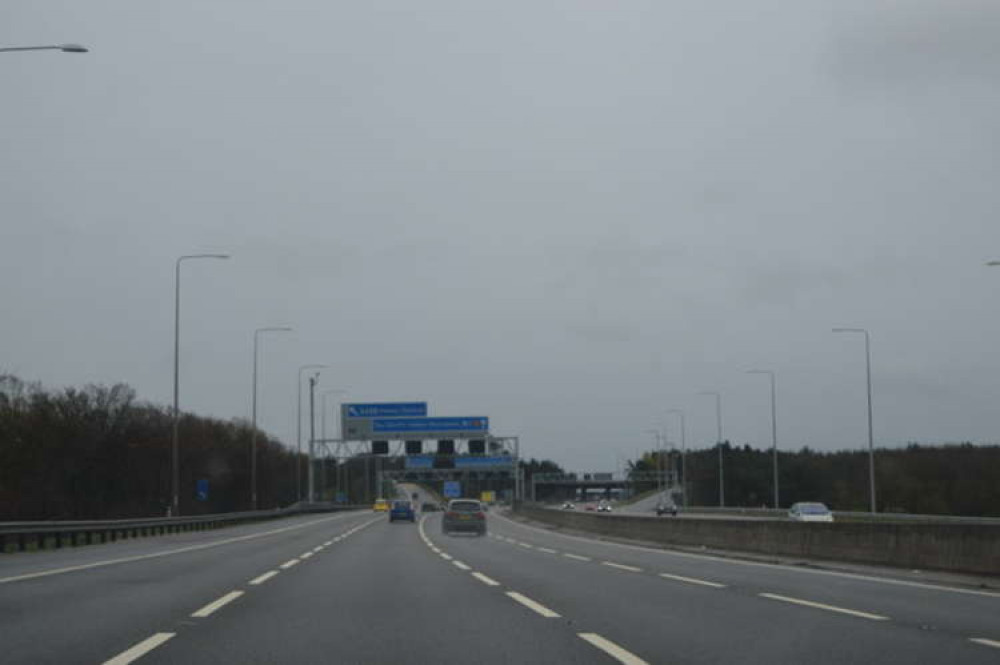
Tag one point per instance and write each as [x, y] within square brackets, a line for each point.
[569, 216]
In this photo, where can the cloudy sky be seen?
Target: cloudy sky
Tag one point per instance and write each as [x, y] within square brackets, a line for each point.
[567, 215]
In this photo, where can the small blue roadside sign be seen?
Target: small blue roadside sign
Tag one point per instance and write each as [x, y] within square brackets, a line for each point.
[201, 490]
[452, 489]
[386, 410]
[341, 497]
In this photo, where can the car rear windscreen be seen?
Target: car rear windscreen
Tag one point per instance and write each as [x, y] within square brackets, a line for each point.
[401, 505]
[465, 506]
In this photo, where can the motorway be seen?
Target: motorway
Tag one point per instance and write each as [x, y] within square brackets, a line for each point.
[353, 588]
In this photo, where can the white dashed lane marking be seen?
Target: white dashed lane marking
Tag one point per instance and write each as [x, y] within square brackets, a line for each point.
[140, 649]
[288, 564]
[459, 564]
[216, 604]
[488, 581]
[985, 642]
[621, 566]
[532, 605]
[612, 649]
[547, 550]
[692, 580]
[576, 556]
[822, 606]
[263, 578]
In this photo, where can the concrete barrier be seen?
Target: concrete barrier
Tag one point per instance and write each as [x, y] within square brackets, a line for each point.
[967, 548]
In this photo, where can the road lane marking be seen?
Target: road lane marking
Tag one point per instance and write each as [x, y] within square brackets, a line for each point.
[260, 579]
[140, 649]
[288, 564]
[612, 649]
[985, 642]
[547, 550]
[305, 555]
[459, 564]
[446, 557]
[758, 564]
[155, 555]
[532, 605]
[577, 557]
[822, 606]
[318, 548]
[488, 581]
[692, 580]
[527, 545]
[621, 566]
[328, 543]
[216, 604]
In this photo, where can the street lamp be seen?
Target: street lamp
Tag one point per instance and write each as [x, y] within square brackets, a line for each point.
[871, 445]
[65, 48]
[253, 429]
[680, 412]
[774, 433]
[298, 431]
[174, 455]
[659, 457]
[718, 422]
[993, 264]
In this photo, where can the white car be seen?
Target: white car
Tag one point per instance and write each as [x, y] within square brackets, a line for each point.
[808, 511]
[604, 507]
[568, 506]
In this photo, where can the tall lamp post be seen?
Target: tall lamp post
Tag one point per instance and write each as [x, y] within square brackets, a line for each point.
[298, 430]
[657, 436]
[718, 423]
[65, 48]
[174, 454]
[774, 434]
[253, 430]
[871, 444]
[680, 412]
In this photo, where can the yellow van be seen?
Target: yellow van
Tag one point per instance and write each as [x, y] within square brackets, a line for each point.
[381, 506]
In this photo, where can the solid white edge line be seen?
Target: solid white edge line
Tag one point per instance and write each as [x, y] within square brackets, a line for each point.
[140, 649]
[612, 649]
[759, 564]
[155, 555]
[692, 580]
[288, 564]
[488, 581]
[260, 579]
[216, 604]
[577, 557]
[459, 564]
[823, 606]
[532, 605]
[985, 642]
[622, 566]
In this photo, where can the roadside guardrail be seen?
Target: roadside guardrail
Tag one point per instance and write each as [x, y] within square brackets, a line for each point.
[20, 536]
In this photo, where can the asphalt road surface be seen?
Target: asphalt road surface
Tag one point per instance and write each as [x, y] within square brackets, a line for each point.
[353, 588]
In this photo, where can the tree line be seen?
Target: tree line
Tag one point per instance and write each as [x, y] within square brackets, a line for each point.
[955, 479]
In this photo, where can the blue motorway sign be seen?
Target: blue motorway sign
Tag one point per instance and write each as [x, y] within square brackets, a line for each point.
[385, 410]
[454, 426]
[201, 489]
[419, 461]
[452, 489]
[483, 462]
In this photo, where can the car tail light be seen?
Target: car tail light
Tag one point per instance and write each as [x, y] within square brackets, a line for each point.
[480, 515]
[451, 514]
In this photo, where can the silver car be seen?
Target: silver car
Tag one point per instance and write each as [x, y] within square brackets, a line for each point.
[464, 515]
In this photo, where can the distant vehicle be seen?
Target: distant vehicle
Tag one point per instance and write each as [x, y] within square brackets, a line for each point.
[807, 511]
[381, 506]
[429, 507]
[464, 515]
[568, 506]
[590, 507]
[664, 508]
[604, 506]
[402, 509]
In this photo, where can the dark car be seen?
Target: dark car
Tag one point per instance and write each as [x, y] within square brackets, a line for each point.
[666, 509]
[430, 507]
[402, 509]
[464, 515]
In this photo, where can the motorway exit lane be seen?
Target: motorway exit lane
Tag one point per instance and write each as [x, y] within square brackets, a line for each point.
[958, 610]
[672, 620]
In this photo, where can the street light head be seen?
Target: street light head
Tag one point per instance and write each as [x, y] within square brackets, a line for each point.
[993, 264]
[73, 48]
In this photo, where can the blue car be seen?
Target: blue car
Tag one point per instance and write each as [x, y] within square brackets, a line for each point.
[402, 509]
